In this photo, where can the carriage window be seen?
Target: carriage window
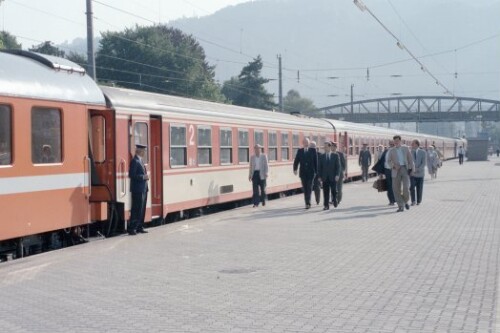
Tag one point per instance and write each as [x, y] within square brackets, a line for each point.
[226, 146]
[350, 146]
[273, 146]
[98, 135]
[259, 138]
[285, 148]
[321, 141]
[204, 146]
[5, 135]
[141, 137]
[178, 148]
[296, 144]
[243, 146]
[46, 131]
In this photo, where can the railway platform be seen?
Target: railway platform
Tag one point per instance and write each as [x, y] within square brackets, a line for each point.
[361, 267]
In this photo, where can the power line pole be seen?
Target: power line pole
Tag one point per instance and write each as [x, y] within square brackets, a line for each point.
[280, 79]
[90, 42]
[352, 98]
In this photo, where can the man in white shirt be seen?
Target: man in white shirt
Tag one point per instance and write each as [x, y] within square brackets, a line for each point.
[258, 172]
[461, 153]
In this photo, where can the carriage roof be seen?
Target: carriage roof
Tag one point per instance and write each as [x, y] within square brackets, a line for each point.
[38, 76]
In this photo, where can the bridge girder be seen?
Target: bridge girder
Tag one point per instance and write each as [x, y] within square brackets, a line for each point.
[415, 109]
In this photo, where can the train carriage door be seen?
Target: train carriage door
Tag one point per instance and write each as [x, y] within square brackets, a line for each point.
[140, 134]
[102, 155]
[156, 163]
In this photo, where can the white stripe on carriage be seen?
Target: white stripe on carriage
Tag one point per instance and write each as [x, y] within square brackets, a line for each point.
[14, 185]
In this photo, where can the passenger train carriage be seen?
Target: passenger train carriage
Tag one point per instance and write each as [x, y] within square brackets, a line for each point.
[66, 144]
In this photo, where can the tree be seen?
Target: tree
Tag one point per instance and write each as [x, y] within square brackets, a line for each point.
[294, 103]
[158, 59]
[78, 58]
[248, 88]
[47, 48]
[7, 41]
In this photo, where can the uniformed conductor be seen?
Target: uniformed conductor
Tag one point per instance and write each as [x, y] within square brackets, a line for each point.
[139, 190]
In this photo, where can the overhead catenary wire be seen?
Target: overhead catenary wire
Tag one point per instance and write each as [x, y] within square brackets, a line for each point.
[363, 7]
[305, 78]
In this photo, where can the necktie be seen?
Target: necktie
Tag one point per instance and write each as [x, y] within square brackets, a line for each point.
[415, 155]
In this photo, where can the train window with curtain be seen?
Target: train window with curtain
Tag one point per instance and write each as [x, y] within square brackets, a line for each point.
[98, 139]
[5, 135]
[226, 146]
[259, 138]
[204, 145]
[285, 147]
[46, 129]
[272, 146]
[295, 144]
[178, 147]
[243, 146]
[141, 137]
[351, 151]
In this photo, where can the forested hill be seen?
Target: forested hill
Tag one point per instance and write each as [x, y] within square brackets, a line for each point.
[326, 38]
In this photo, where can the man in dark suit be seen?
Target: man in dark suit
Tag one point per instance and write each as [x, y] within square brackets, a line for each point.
[418, 173]
[382, 169]
[139, 190]
[365, 159]
[316, 187]
[343, 170]
[307, 159]
[329, 173]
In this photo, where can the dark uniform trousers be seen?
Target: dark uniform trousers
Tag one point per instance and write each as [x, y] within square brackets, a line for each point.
[329, 186]
[138, 210]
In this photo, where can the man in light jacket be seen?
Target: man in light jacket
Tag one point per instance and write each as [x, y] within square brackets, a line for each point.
[258, 172]
[418, 173]
[402, 165]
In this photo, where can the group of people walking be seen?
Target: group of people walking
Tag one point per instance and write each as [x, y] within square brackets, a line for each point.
[318, 171]
[400, 166]
[403, 168]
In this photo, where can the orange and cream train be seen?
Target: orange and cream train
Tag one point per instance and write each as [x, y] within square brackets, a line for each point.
[66, 144]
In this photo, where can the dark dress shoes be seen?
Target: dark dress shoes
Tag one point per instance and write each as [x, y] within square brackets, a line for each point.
[132, 232]
[407, 206]
[326, 208]
[142, 231]
[400, 209]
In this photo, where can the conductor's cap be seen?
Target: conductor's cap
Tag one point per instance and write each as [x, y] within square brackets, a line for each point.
[140, 146]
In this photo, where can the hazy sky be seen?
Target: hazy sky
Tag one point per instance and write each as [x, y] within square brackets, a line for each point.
[35, 21]
[454, 24]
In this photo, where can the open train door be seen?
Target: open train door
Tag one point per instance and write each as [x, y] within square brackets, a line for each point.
[102, 155]
[156, 163]
[147, 131]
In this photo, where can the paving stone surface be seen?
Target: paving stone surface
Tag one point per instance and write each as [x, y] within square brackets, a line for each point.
[359, 268]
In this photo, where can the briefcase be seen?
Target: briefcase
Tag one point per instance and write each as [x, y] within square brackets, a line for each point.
[381, 185]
